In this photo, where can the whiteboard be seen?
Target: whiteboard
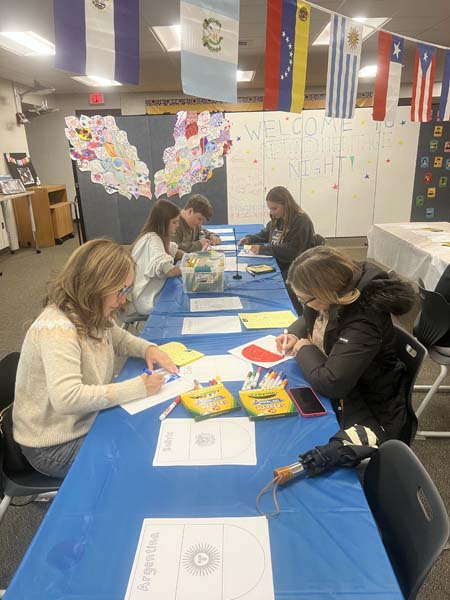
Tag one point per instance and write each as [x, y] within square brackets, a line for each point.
[345, 173]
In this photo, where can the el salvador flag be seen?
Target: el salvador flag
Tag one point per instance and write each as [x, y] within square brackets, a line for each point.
[209, 48]
[98, 37]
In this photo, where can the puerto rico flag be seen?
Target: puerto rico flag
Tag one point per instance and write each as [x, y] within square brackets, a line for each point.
[287, 36]
[444, 106]
[343, 67]
[422, 94]
[389, 74]
[98, 37]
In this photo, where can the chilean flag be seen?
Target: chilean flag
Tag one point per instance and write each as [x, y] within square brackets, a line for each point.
[423, 83]
[389, 74]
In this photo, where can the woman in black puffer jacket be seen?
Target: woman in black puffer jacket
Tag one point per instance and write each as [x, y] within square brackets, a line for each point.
[345, 340]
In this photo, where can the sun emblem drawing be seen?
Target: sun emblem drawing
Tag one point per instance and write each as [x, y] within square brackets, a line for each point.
[201, 559]
[211, 37]
[353, 38]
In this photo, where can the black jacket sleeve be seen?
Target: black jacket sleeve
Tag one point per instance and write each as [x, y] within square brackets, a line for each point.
[299, 237]
[298, 328]
[336, 375]
[260, 238]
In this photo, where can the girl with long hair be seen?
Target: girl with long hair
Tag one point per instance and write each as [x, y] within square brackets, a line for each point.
[155, 255]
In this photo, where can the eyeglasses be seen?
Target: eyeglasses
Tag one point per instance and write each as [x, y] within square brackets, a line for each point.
[305, 302]
[124, 291]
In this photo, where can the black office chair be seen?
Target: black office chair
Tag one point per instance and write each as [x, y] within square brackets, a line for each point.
[412, 353]
[17, 476]
[409, 512]
[132, 319]
[432, 328]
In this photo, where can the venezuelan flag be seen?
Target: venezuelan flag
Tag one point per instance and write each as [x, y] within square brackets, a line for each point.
[287, 36]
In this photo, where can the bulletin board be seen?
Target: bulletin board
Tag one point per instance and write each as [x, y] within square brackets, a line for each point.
[431, 196]
[346, 174]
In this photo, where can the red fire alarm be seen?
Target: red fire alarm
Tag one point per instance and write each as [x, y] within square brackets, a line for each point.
[96, 98]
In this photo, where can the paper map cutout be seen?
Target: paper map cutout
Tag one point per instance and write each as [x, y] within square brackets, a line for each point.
[256, 354]
[99, 146]
[201, 142]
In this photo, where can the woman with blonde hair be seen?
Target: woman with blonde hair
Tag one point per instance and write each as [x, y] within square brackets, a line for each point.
[67, 360]
[155, 255]
[344, 342]
[289, 232]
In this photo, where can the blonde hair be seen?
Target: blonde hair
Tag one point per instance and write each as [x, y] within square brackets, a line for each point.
[97, 268]
[281, 195]
[325, 274]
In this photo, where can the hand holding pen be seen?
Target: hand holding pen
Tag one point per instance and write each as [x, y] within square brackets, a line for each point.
[152, 381]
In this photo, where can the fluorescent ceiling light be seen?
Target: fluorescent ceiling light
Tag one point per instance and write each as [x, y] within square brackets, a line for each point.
[26, 43]
[95, 81]
[323, 39]
[368, 71]
[168, 37]
[245, 75]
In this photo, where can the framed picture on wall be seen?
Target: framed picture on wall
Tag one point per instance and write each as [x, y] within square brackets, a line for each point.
[21, 167]
[12, 186]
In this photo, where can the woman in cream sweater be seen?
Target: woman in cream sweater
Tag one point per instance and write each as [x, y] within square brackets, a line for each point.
[67, 359]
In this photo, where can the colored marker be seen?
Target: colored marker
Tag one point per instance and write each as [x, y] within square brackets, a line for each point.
[147, 371]
[247, 379]
[256, 377]
[264, 379]
[170, 408]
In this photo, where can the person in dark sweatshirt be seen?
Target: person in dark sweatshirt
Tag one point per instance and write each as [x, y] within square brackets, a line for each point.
[289, 232]
[344, 342]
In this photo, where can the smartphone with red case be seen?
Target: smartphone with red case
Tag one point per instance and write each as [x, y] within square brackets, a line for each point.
[307, 402]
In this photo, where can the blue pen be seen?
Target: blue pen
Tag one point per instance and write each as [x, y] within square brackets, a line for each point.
[147, 371]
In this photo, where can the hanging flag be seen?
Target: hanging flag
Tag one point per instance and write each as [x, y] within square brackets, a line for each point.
[98, 38]
[343, 67]
[422, 94]
[209, 48]
[287, 36]
[444, 106]
[389, 74]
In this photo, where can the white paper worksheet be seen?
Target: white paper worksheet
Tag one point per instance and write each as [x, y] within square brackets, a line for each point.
[226, 366]
[219, 441]
[203, 325]
[261, 351]
[250, 254]
[215, 303]
[221, 558]
[230, 264]
[225, 248]
[227, 238]
[168, 391]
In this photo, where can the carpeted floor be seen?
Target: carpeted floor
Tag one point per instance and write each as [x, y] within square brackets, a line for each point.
[22, 288]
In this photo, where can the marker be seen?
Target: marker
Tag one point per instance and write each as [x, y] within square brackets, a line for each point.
[247, 379]
[283, 349]
[270, 379]
[218, 379]
[170, 408]
[197, 384]
[284, 382]
[278, 380]
[264, 379]
[147, 371]
[256, 377]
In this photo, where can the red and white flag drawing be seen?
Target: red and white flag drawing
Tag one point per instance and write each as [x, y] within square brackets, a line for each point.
[423, 83]
[389, 74]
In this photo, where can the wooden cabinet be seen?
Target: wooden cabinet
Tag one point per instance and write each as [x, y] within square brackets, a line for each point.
[52, 213]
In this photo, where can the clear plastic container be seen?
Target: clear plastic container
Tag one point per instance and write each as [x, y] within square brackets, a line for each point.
[203, 272]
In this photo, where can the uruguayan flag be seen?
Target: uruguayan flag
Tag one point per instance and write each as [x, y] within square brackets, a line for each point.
[343, 66]
[209, 48]
[98, 37]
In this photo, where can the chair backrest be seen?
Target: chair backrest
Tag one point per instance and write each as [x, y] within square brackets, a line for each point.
[409, 512]
[434, 319]
[11, 458]
[412, 353]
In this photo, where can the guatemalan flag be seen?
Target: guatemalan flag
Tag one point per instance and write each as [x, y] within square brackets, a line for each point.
[343, 67]
[422, 94]
[287, 36]
[209, 48]
[444, 106]
[389, 74]
[98, 37]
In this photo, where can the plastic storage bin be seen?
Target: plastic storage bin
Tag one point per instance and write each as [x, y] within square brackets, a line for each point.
[203, 271]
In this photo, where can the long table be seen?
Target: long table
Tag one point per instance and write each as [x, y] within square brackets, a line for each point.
[414, 250]
[324, 544]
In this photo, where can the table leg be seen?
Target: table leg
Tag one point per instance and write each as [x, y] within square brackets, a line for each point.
[33, 224]
[8, 235]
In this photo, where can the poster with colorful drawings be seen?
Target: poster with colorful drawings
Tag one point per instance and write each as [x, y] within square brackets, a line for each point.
[99, 146]
[201, 142]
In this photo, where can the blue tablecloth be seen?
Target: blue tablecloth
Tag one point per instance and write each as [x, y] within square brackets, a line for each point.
[324, 544]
